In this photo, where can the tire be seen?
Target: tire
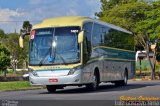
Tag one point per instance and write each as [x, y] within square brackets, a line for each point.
[51, 88]
[122, 82]
[93, 86]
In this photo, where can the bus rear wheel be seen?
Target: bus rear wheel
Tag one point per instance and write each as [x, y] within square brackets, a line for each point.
[51, 88]
[124, 81]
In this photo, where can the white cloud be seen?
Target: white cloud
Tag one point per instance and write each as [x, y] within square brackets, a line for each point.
[37, 10]
[71, 12]
[8, 15]
[9, 19]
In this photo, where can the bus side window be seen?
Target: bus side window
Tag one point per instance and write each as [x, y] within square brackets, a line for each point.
[87, 40]
[96, 37]
[85, 51]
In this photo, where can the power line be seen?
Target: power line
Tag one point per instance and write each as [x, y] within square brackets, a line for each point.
[22, 21]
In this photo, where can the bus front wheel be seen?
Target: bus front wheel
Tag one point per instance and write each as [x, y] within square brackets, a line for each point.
[93, 86]
[51, 88]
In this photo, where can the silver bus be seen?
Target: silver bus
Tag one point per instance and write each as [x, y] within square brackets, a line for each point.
[76, 51]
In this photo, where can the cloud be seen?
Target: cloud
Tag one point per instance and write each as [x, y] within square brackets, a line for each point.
[71, 12]
[67, 7]
[8, 15]
[9, 19]
[37, 10]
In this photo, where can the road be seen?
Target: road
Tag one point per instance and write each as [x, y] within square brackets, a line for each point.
[105, 92]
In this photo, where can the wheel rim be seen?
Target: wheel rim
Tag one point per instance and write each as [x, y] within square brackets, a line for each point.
[95, 81]
[125, 79]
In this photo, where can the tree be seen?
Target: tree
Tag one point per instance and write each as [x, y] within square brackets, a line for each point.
[26, 27]
[17, 54]
[2, 35]
[151, 26]
[124, 14]
[137, 16]
[151, 23]
[13, 46]
[107, 5]
[4, 59]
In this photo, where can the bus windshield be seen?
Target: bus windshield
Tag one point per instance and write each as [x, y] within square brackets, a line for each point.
[54, 46]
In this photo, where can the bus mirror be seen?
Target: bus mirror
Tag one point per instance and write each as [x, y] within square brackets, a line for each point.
[21, 41]
[80, 37]
[21, 38]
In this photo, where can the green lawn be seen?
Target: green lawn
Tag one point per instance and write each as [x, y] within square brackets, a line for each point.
[15, 85]
[146, 66]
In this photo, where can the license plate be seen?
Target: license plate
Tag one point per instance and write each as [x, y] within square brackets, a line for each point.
[53, 80]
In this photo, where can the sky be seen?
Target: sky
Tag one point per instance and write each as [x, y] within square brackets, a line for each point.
[14, 12]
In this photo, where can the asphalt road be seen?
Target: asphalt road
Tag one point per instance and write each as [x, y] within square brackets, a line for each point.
[105, 92]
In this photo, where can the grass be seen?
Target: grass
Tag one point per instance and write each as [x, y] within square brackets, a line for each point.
[145, 66]
[16, 85]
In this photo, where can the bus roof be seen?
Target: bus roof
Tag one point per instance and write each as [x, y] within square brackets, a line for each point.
[73, 21]
[62, 21]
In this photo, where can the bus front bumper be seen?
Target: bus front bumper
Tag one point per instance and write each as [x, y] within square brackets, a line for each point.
[59, 80]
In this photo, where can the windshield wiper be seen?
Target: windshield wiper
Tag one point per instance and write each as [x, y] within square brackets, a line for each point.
[42, 60]
[55, 53]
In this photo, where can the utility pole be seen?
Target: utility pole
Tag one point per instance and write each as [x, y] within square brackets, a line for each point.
[153, 48]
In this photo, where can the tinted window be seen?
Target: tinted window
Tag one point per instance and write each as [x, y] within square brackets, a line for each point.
[96, 37]
[106, 36]
[118, 39]
[88, 32]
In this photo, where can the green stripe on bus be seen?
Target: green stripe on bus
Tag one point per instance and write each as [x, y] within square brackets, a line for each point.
[113, 48]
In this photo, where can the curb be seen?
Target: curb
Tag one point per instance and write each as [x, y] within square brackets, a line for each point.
[142, 79]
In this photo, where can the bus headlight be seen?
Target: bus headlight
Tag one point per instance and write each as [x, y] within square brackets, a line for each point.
[35, 73]
[73, 70]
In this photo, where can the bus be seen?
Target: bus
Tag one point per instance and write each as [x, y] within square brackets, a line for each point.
[77, 51]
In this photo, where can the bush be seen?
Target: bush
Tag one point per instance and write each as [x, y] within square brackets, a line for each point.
[4, 59]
